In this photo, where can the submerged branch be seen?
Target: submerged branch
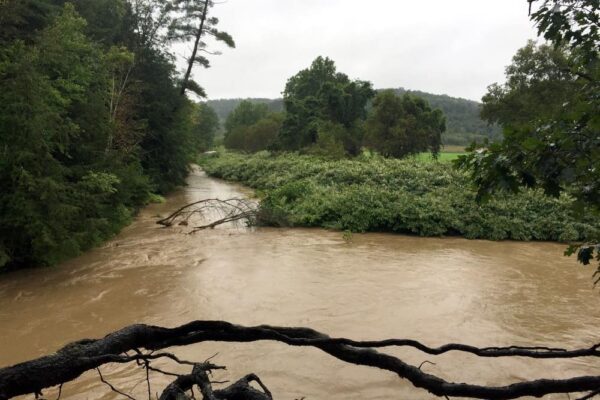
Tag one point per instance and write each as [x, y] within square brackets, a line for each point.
[230, 210]
[73, 360]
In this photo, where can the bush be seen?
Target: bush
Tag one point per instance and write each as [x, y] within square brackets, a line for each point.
[371, 193]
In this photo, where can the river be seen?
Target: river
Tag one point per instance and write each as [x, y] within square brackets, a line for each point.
[373, 286]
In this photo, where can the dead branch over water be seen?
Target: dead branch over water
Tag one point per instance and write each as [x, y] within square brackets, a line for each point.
[222, 211]
[144, 342]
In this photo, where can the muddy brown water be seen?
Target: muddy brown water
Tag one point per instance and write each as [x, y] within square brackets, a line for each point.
[374, 286]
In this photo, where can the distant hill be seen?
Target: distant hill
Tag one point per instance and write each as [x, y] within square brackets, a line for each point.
[225, 106]
[462, 116]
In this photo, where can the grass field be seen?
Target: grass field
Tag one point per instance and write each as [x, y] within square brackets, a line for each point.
[447, 154]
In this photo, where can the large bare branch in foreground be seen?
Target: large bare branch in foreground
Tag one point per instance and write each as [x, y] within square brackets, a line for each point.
[76, 358]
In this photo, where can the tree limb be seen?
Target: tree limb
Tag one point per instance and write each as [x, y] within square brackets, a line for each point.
[74, 359]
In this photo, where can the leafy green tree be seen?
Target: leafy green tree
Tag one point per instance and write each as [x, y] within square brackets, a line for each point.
[92, 122]
[245, 114]
[166, 148]
[58, 199]
[251, 127]
[106, 20]
[573, 24]
[549, 109]
[331, 138]
[206, 126]
[263, 134]
[399, 126]
[24, 19]
[320, 93]
[464, 124]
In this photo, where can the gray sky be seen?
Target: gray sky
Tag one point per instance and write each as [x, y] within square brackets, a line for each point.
[454, 47]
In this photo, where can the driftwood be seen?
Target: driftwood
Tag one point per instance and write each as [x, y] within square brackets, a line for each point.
[200, 377]
[145, 341]
[230, 210]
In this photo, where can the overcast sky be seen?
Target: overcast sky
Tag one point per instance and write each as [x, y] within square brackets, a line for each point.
[454, 47]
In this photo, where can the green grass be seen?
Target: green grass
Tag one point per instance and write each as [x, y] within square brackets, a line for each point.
[448, 153]
[442, 157]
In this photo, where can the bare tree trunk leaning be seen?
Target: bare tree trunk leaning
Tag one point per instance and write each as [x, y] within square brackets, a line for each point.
[192, 59]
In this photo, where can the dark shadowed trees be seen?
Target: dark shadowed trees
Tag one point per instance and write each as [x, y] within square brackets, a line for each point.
[400, 126]
[252, 127]
[206, 126]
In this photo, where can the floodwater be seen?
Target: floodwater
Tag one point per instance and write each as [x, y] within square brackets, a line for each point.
[373, 286]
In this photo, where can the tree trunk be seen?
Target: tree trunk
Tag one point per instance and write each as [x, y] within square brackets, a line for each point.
[76, 358]
[192, 59]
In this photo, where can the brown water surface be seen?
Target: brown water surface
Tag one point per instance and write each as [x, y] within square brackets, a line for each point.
[374, 286]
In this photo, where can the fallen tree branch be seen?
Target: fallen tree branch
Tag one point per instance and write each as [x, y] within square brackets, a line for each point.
[199, 377]
[74, 359]
[114, 389]
[230, 210]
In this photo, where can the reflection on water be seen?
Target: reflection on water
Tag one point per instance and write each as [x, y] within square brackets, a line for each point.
[375, 286]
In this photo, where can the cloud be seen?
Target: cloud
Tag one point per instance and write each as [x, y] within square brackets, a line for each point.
[454, 47]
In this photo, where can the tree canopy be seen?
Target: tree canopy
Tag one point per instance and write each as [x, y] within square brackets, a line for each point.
[399, 126]
[318, 94]
[92, 123]
[550, 112]
[252, 127]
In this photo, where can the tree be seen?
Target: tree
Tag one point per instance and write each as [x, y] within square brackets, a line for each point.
[141, 345]
[399, 126]
[549, 109]
[92, 122]
[23, 19]
[206, 126]
[59, 197]
[320, 93]
[263, 134]
[252, 127]
[244, 115]
[192, 25]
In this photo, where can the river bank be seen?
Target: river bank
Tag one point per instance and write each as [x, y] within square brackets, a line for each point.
[374, 194]
[374, 286]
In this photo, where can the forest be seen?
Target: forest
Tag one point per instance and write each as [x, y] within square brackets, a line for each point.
[449, 248]
[463, 123]
[93, 123]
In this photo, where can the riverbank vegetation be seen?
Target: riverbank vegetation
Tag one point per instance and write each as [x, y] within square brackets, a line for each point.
[93, 122]
[373, 193]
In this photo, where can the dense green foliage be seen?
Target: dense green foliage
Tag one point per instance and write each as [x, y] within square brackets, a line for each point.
[261, 134]
[550, 110]
[206, 126]
[371, 193]
[245, 114]
[321, 95]
[463, 123]
[399, 126]
[328, 114]
[251, 127]
[92, 123]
